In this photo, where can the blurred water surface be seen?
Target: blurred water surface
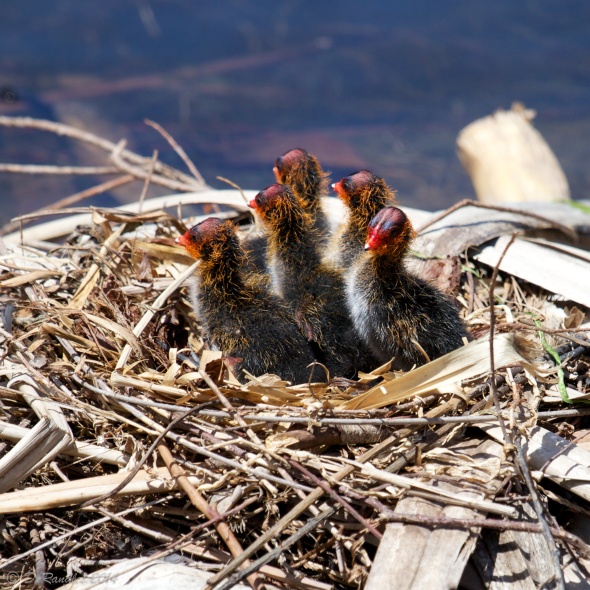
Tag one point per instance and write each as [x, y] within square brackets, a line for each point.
[378, 84]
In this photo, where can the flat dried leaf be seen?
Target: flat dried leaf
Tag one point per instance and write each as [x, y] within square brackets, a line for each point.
[441, 375]
[472, 226]
[556, 271]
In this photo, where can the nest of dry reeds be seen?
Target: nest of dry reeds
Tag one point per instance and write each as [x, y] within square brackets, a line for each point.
[123, 436]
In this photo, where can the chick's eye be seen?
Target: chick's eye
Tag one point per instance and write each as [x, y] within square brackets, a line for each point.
[193, 238]
[258, 200]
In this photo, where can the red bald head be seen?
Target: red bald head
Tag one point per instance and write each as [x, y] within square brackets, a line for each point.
[197, 236]
[289, 161]
[390, 228]
[270, 197]
[355, 184]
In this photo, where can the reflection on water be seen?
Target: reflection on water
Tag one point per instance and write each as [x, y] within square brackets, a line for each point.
[382, 85]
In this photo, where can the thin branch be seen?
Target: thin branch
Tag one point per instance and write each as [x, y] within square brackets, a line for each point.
[545, 528]
[489, 523]
[297, 510]
[257, 473]
[140, 173]
[177, 180]
[59, 170]
[142, 461]
[74, 133]
[493, 390]
[148, 178]
[237, 187]
[304, 418]
[66, 131]
[178, 149]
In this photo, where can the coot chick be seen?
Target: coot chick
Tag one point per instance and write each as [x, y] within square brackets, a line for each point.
[313, 290]
[364, 194]
[396, 313]
[303, 174]
[237, 312]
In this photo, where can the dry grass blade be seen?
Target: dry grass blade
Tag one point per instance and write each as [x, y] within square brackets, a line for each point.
[119, 380]
[76, 492]
[120, 331]
[92, 276]
[30, 277]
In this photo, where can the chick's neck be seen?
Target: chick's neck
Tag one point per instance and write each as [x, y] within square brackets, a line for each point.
[308, 185]
[222, 268]
[388, 262]
[293, 254]
[287, 224]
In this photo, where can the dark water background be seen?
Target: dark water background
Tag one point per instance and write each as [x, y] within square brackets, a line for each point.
[383, 85]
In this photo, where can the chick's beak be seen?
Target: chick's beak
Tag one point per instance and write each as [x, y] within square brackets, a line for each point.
[371, 243]
[182, 240]
[337, 188]
[252, 204]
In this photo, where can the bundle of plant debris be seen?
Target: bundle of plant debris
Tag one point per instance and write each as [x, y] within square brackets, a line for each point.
[124, 436]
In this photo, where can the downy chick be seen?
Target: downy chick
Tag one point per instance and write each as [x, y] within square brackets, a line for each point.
[314, 291]
[303, 174]
[364, 194]
[396, 313]
[238, 314]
